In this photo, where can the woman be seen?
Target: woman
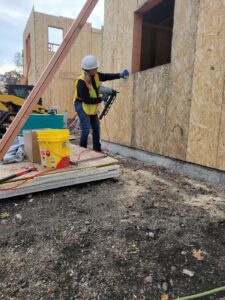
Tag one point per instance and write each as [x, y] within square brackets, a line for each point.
[86, 99]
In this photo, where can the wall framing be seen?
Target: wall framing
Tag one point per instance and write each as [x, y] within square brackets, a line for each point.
[60, 91]
[175, 110]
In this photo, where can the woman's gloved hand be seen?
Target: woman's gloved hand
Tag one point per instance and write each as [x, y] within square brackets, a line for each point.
[124, 74]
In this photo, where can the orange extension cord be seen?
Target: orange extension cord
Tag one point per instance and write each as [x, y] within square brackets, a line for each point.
[51, 170]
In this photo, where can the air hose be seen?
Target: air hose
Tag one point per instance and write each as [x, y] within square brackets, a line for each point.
[203, 294]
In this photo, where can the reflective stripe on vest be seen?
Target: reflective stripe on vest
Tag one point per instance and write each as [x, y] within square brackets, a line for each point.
[89, 109]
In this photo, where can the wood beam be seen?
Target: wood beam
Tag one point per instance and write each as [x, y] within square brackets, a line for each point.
[46, 77]
[137, 37]
[148, 5]
[27, 72]
[147, 24]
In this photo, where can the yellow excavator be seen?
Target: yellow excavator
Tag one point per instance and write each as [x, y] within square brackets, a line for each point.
[12, 100]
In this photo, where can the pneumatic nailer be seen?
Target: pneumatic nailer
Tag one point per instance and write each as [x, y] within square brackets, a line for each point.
[109, 96]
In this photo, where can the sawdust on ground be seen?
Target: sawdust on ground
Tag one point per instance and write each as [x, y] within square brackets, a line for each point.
[149, 234]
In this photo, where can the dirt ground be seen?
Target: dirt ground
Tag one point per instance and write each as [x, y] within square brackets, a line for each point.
[148, 234]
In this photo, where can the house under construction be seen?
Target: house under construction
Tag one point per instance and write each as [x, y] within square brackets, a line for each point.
[42, 37]
[173, 103]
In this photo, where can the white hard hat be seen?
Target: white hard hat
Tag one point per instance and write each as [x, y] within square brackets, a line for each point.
[89, 62]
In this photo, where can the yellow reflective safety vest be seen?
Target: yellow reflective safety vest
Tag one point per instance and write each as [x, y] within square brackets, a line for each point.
[89, 109]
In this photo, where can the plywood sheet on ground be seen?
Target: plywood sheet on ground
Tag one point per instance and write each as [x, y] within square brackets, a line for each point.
[91, 166]
[87, 159]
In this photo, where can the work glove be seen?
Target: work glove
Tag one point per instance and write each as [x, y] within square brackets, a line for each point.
[124, 74]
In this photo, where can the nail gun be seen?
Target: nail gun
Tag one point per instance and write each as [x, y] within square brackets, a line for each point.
[109, 96]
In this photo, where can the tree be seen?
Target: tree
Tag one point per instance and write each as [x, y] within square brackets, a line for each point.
[15, 75]
[12, 77]
[18, 59]
[2, 85]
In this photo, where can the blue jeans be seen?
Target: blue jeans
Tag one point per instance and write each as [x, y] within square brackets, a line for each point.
[87, 123]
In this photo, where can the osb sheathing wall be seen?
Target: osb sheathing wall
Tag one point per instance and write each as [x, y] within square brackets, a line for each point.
[60, 91]
[181, 77]
[117, 55]
[206, 141]
[176, 110]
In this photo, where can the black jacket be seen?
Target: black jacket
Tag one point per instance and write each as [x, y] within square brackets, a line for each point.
[83, 92]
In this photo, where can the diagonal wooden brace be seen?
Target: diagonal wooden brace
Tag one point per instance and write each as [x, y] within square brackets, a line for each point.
[46, 77]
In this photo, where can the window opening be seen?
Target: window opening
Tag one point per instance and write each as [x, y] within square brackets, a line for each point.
[153, 30]
[55, 37]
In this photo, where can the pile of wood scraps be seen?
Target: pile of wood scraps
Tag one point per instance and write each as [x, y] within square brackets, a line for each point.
[86, 166]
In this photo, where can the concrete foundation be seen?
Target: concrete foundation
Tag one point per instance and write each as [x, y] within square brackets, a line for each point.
[211, 176]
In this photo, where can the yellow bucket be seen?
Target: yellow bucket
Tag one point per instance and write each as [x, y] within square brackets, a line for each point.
[54, 147]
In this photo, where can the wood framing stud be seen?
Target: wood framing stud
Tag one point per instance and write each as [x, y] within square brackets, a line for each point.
[46, 77]
[137, 43]
[148, 5]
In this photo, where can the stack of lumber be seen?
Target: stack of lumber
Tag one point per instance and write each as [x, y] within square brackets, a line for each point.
[86, 166]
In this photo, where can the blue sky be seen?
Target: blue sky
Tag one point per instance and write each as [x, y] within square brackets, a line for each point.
[14, 15]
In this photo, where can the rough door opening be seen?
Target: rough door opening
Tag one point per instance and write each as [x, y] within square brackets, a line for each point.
[55, 38]
[153, 30]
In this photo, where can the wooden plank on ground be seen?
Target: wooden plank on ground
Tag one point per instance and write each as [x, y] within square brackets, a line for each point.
[92, 166]
[88, 159]
[58, 180]
[83, 153]
[7, 170]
